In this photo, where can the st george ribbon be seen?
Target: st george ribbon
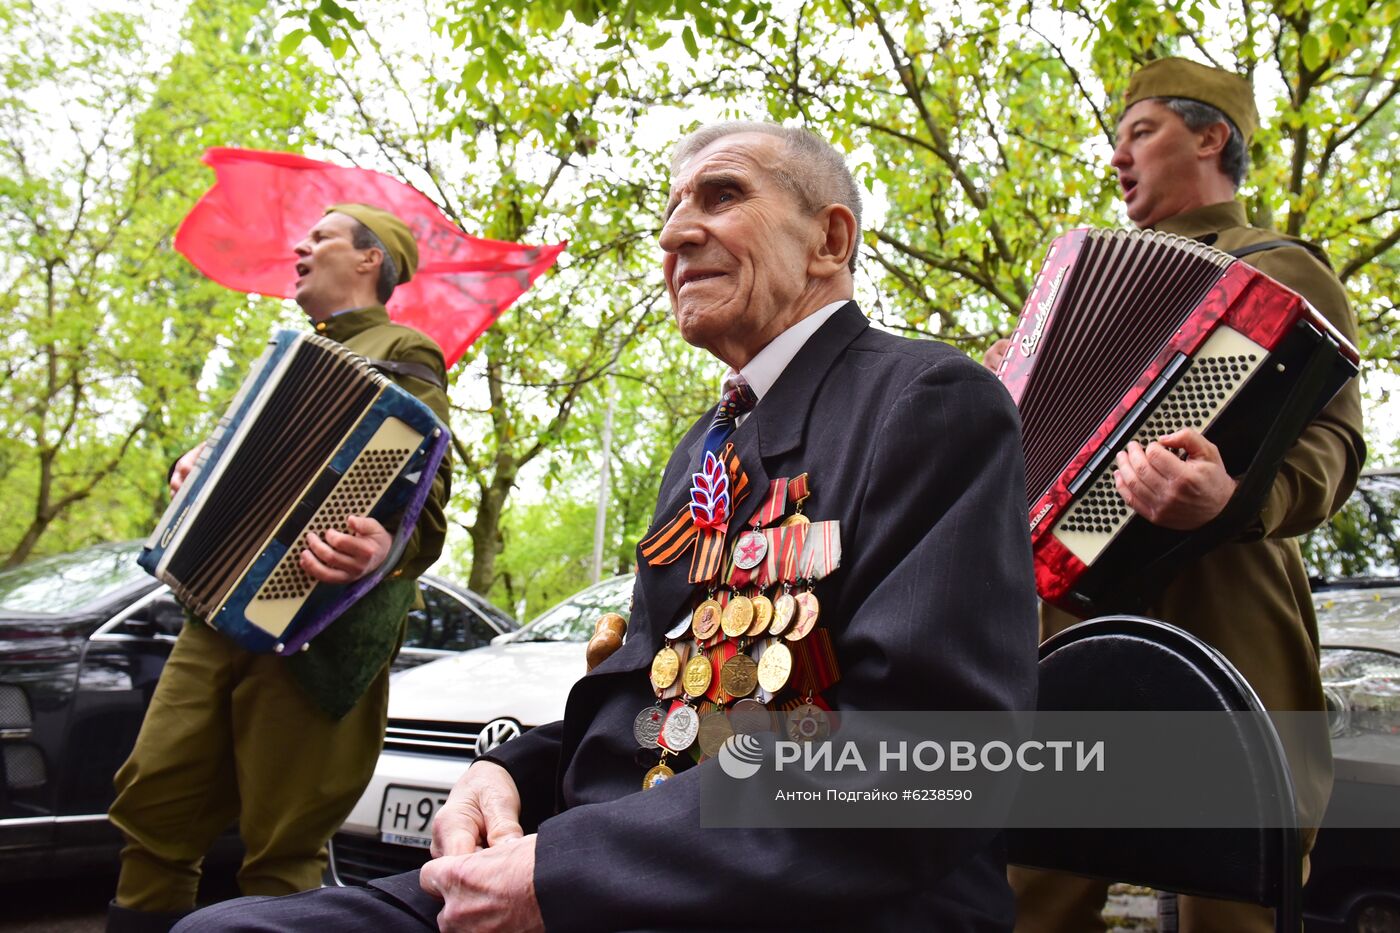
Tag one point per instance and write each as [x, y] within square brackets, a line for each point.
[242, 231]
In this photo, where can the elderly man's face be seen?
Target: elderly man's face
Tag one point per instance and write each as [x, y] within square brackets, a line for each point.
[737, 248]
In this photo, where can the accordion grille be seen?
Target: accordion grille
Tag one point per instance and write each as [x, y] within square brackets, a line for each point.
[355, 495]
[321, 395]
[1203, 391]
[1125, 295]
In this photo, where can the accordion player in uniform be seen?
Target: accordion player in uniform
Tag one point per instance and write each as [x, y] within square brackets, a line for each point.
[1181, 154]
[285, 745]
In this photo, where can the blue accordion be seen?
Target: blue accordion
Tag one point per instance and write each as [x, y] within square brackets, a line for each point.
[314, 435]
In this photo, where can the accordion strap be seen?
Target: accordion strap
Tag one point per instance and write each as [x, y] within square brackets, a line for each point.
[1253, 248]
[420, 371]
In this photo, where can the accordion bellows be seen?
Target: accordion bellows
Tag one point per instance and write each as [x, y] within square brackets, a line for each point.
[314, 435]
[1132, 335]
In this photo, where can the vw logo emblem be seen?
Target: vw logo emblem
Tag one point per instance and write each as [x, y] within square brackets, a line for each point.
[496, 733]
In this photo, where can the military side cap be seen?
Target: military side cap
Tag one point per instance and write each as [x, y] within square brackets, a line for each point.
[392, 232]
[1226, 91]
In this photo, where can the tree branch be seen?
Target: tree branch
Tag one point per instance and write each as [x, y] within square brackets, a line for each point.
[1364, 256]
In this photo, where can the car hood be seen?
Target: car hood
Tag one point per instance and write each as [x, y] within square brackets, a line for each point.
[36, 637]
[1363, 618]
[527, 681]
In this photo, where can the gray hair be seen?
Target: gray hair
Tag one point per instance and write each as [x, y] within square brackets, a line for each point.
[363, 237]
[1234, 158]
[814, 170]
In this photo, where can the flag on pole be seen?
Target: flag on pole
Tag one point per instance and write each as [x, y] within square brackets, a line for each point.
[242, 231]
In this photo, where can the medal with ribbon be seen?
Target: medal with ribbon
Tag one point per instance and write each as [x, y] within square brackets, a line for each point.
[753, 636]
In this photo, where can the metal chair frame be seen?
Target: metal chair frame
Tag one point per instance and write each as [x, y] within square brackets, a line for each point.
[1074, 677]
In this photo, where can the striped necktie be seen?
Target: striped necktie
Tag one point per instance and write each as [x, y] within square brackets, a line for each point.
[738, 399]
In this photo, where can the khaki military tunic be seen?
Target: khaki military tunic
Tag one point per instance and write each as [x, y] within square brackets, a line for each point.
[1249, 598]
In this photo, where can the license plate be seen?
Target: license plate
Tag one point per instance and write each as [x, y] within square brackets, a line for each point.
[406, 818]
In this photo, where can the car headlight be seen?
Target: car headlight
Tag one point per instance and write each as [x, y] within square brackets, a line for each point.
[1362, 688]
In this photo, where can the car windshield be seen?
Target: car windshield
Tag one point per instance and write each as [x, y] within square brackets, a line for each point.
[503, 622]
[66, 583]
[574, 618]
[1360, 542]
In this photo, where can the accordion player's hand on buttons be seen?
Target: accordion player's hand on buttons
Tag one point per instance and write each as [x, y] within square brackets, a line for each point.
[1167, 489]
[336, 557]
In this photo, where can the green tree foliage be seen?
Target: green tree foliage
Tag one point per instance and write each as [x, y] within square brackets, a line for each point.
[108, 334]
[547, 545]
[511, 147]
[1361, 540]
[981, 130]
[985, 127]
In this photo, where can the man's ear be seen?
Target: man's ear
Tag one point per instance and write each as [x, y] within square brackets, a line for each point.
[372, 259]
[1210, 142]
[838, 241]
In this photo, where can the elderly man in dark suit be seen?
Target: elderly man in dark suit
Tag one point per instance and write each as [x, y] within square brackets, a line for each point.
[914, 449]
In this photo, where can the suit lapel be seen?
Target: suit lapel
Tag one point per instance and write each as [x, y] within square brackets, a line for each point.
[782, 415]
[748, 446]
[675, 483]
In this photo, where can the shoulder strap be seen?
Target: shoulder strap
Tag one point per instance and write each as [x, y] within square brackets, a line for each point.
[1253, 248]
[419, 371]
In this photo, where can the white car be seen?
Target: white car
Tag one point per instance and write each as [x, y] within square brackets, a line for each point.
[445, 713]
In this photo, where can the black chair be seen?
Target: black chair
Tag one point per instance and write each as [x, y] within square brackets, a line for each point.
[1130, 663]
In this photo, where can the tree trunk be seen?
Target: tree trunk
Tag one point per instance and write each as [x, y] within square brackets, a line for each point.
[26, 545]
[485, 532]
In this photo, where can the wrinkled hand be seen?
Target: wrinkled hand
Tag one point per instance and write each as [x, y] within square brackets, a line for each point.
[1178, 494]
[482, 810]
[183, 467]
[483, 865]
[996, 353]
[489, 890]
[336, 557]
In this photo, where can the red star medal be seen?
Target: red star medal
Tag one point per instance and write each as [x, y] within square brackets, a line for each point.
[750, 549]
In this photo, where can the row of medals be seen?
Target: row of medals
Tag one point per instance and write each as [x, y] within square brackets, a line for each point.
[787, 618]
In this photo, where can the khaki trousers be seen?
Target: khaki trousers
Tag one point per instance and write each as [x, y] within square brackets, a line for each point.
[1055, 902]
[230, 736]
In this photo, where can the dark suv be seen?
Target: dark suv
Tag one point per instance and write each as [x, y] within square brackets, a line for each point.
[83, 638]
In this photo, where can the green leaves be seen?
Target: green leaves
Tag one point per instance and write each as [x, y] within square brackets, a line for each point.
[292, 41]
[116, 349]
[328, 22]
[978, 133]
[1312, 51]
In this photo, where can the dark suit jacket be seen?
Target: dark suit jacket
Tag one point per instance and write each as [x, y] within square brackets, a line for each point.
[916, 450]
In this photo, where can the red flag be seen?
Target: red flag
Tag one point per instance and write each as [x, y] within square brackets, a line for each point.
[242, 231]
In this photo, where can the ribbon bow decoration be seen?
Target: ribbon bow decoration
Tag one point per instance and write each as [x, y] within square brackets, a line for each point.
[709, 495]
[716, 492]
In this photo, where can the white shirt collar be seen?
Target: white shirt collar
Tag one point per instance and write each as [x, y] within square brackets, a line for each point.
[765, 368]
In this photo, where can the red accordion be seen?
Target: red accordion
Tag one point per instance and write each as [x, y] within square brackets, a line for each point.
[1131, 335]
